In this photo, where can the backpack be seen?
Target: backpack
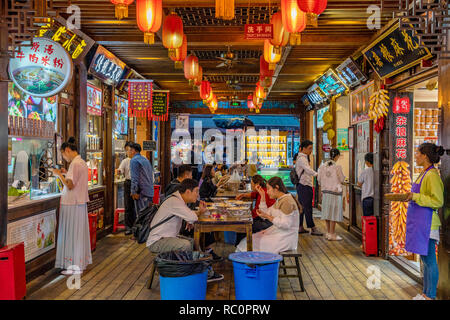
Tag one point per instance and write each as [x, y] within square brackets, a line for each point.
[141, 228]
[294, 177]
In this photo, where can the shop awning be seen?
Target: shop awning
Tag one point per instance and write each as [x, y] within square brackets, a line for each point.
[278, 121]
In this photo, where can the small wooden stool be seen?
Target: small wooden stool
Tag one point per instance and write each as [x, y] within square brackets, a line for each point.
[152, 271]
[283, 266]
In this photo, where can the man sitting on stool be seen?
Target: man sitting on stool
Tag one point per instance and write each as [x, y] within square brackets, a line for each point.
[165, 237]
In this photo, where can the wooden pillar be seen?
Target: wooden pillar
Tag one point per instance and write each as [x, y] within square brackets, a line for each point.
[444, 246]
[108, 152]
[4, 60]
[80, 93]
[164, 152]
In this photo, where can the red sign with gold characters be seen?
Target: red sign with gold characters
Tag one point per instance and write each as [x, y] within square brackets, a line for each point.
[258, 31]
[402, 127]
[140, 98]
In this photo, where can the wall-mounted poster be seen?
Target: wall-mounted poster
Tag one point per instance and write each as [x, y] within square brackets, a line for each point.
[342, 139]
[182, 122]
[94, 100]
[320, 114]
[36, 232]
[359, 103]
[21, 104]
[121, 115]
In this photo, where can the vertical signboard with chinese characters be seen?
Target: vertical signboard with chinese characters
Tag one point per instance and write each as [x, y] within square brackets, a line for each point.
[402, 127]
[160, 105]
[140, 98]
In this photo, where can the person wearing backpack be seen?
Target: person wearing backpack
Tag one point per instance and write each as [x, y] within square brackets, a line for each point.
[165, 237]
[293, 174]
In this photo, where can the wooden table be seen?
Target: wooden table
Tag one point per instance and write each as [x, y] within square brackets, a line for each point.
[208, 224]
[230, 194]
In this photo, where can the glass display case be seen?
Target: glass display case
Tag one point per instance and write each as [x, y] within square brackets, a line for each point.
[271, 151]
[94, 152]
[28, 169]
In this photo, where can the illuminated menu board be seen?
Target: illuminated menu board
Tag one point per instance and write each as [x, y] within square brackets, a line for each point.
[315, 94]
[350, 74]
[330, 84]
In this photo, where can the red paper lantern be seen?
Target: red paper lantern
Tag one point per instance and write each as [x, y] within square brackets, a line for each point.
[260, 92]
[280, 34]
[270, 55]
[264, 71]
[294, 20]
[198, 80]
[205, 91]
[191, 68]
[312, 8]
[213, 105]
[265, 82]
[172, 33]
[179, 54]
[121, 8]
[149, 17]
[250, 104]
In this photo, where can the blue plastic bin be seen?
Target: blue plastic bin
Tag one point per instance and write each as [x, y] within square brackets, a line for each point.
[230, 237]
[192, 287]
[255, 275]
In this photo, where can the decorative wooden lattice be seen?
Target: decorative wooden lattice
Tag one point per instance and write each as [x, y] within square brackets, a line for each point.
[240, 54]
[207, 16]
[241, 79]
[21, 18]
[430, 19]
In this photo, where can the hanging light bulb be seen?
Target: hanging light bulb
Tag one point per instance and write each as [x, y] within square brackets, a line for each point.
[148, 18]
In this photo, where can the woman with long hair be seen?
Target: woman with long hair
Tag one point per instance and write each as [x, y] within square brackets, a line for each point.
[422, 219]
[208, 189]
[73, 249]
[330, 178]
[284, 215]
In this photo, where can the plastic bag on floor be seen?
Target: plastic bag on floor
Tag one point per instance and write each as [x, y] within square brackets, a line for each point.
[182, 263]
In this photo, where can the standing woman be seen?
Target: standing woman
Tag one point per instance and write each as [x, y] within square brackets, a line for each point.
[422, 220]
[73, 250]
[330, 178]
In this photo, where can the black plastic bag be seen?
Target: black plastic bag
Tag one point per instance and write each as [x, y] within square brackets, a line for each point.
[174, 264]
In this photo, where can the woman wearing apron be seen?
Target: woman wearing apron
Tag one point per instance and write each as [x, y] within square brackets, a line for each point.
[422, 220]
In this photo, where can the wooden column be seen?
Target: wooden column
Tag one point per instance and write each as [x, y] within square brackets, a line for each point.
[4, 59]
[81, 107]
[108, 153]
[444, 246]
[164, 152]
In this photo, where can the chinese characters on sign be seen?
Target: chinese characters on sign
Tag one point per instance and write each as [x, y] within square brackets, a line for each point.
[140, 98]
[94, 100]
[42, 69]
[106, 66]
[160, 106]
[395, 51]
[401, 128]
[258, 31]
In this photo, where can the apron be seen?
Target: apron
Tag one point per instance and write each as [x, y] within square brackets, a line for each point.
[418, 224]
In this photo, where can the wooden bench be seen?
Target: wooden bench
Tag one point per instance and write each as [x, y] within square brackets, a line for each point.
[296, 255]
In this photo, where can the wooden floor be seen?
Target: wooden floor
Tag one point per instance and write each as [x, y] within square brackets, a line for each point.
[335, 270]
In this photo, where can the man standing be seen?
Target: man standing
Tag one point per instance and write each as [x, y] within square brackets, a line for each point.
[141, 178]
[305, 187]
[124, 168]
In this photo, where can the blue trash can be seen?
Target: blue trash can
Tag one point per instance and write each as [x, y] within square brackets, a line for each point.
[230, 237]
[255, 275]
[192, 287]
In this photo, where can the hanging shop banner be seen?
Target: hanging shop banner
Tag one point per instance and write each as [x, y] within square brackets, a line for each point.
[94, 100]
[121, 115]
[258, 31]
[160, 105]
[342, 139]
[96, 205]
[401, 126]
[330, 84]
[316, 95]
[359, 103]
[349, 72]
[36, 232]
[395, 51]
[140, 98]
[75, 42]
[106, 66]
[42, 69]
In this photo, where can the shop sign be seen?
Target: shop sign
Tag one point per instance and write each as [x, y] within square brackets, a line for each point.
[42, 69]
[401, 127]
[330, 84]
[106, 66]
[94, 100]
[326, 148]
[316, 95]
[396, 51]
[140, 98]
[350, 74]
[76, 43]
[342, 139]
[38, 233]
[258, 31]
[160, 105]
[359, 103]
[149, 145]
[96, 205]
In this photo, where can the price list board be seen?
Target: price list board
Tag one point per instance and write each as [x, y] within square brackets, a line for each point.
[160, 105]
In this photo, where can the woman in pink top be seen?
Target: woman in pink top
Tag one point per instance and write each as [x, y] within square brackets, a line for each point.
[73, 250]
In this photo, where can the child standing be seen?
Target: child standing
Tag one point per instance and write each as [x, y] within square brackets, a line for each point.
[365, 181]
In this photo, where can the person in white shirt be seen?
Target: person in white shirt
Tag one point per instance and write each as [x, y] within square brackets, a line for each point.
[330, 178]
[130, 213]
[305, 187]
[166, 225]
[73, 250]
[365, 181]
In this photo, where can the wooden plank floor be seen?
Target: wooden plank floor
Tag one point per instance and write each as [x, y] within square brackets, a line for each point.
[335, 270]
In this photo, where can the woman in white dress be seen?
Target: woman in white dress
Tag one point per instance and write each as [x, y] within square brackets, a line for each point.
[330, 178]
[284, 214]
[73, 249]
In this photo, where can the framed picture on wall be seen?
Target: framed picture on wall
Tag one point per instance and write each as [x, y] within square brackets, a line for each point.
[350, 137]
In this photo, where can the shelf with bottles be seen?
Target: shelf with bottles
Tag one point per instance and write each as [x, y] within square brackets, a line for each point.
[94, 161]
[266, 139]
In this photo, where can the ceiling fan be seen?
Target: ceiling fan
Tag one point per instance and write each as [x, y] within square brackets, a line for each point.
[229, 59]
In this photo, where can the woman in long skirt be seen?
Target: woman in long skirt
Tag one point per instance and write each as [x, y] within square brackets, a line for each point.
[73, 249]
[330, 178]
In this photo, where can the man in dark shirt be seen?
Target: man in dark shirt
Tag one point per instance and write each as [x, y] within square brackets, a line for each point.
[184, 172]
[141, 178]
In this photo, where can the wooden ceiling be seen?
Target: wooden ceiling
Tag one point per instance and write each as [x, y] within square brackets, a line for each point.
[342, 30]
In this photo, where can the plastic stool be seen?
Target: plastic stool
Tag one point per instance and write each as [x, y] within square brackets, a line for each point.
[156, 190]
[116, 225]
